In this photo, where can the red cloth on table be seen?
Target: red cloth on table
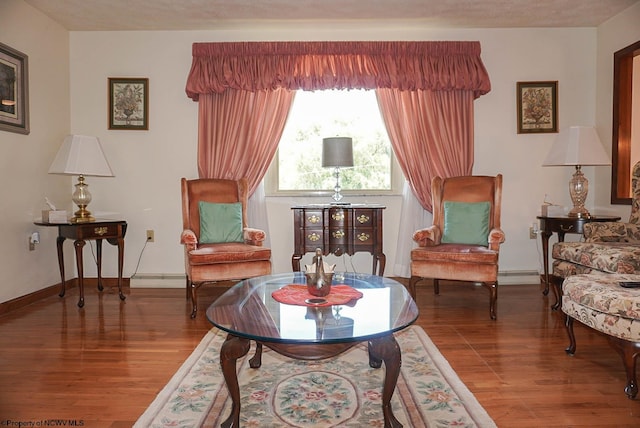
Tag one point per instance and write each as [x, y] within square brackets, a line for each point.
[296, 294]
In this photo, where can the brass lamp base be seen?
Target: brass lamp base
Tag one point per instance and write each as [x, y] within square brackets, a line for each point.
[82, 216]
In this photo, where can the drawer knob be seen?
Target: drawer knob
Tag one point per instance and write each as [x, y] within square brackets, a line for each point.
[363, 237]
[338, 234]
[313, 219]
[566, 228]
[313, 237]
[100, 230]
[338, 215]
[363, 218]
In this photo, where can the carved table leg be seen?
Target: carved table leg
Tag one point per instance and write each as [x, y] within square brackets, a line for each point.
[386, 349]
[233, 348]
[79, 244]
[59, 243]
[256, 361]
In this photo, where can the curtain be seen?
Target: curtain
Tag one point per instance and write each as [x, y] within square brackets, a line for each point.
[239, 132]
[431, 133]
[265, 66]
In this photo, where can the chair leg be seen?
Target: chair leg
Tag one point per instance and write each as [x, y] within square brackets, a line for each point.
[629, 351]
[493, 300]
[188, 286]
[412, 286]
[194, 300]
[568, 323]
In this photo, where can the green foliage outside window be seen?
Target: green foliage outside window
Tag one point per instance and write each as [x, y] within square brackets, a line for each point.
[321, 114]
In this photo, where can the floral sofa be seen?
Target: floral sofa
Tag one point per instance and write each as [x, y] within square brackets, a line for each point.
[608, 247]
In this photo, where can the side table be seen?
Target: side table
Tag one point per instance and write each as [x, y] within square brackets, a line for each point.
[111, 230]
[561, 226]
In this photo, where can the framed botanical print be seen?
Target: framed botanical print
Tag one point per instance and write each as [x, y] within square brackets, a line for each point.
[537, 107]
[14, 90]
[128, 103]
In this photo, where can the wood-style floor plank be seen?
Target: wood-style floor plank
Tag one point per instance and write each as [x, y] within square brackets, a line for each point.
[103, 365]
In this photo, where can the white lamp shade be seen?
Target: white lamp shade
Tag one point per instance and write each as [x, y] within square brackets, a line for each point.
[337, 152]
[81, 155]
[577, 145]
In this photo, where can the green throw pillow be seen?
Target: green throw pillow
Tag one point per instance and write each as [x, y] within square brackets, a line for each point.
[466, 223]
[220, 222]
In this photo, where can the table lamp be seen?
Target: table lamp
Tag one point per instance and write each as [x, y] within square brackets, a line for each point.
[577, 146]
[337, 152]
[81, 155]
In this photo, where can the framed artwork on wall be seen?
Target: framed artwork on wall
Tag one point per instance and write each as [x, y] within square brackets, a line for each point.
[14, 90]
[128, 103]
[537, 107]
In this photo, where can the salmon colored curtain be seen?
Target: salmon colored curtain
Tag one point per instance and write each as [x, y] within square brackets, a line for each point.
[239, 132]
[408, 66]
[431, 134]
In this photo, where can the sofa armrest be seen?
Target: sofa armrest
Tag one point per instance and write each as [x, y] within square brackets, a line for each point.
[428, 237]
[612, 231]
[254, 236]
[189, 239]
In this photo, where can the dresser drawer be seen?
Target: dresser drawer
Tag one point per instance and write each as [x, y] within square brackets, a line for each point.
[337, 217]
[363, 217]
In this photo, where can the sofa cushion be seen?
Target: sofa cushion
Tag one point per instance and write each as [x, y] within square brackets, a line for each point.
[611, 257]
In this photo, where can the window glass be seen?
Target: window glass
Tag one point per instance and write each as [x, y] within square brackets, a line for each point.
[333, 113]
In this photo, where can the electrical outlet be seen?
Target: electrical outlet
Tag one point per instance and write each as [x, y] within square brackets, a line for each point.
[150, 235]
[533, 234]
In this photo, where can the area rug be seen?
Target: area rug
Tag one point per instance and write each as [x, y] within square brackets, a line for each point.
[337, 392]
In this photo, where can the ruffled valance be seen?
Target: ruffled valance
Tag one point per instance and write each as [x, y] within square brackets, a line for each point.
[258, 66]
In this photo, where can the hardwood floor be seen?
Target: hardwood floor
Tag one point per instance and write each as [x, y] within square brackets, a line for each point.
[103, 365]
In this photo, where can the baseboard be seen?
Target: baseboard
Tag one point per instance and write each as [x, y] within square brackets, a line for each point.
[168, 280]
[158, 280]
[519, 277]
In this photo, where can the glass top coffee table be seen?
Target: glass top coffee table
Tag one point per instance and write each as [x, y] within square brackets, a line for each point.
[247, 311]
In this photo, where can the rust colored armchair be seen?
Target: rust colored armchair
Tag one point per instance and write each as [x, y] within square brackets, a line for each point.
[463, 244]
[217, 242]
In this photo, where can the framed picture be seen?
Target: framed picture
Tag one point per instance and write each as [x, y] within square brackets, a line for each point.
[128, 103]
[14, 90]
[537, 107]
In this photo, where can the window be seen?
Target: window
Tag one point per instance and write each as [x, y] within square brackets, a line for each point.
[297, 169]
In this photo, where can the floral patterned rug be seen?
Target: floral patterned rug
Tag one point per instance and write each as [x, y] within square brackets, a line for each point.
[338, 392]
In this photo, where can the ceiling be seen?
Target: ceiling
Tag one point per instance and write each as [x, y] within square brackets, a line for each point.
[122, 15]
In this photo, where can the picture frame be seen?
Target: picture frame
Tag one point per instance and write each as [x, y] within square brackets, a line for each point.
[537, 104]
[14, 90]
[129, 103]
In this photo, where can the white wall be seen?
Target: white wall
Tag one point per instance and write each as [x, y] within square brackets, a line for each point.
[25, 159]
[148, 165]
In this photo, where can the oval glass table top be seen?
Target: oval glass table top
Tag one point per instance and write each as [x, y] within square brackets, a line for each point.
[248, 310]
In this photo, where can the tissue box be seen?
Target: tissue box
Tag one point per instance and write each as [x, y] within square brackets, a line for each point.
[553, 211]
[57, 216]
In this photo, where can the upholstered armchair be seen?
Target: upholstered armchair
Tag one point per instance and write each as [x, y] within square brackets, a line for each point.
[463, 244]
[218, 245]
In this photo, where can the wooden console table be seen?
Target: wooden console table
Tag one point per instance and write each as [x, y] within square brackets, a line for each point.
[338, 229]
[111, 230]
[561, 226]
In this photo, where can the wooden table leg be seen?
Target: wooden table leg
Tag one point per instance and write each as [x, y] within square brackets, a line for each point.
[386, 349]
[59, 243]
[99, 263]
[120, 244]
[545, 259]
[233, 348]
[79, 245]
